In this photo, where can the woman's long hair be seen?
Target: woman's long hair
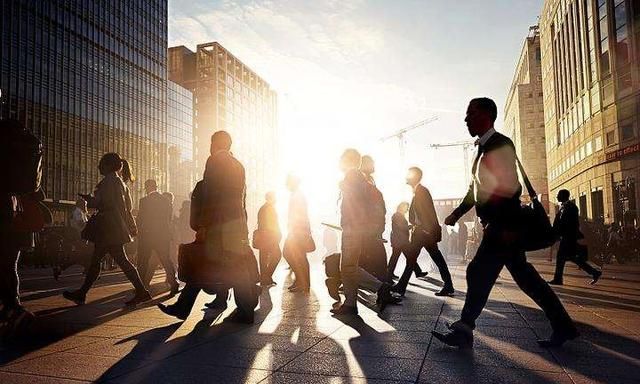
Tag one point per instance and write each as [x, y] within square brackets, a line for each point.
[127, 172]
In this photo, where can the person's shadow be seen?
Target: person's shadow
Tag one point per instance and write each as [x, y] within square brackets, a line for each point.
[215, 351]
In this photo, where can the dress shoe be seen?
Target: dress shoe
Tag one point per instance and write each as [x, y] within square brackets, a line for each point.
[171, 311]
[454, 338]
[446, 291]
[596, 277]
[175, 289]
[217, 304]
[554, 282]
[344, 310]
[558, 338]
[459, 335]
[18, 320]
[400, 291]
[139, 298]
[239, 318]
[385, 297]
[332, 286]
[77, 297]
[422, 274]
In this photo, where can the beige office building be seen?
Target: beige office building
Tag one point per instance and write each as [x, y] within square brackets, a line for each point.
[228, 95]
[591, 86]
[524, 115]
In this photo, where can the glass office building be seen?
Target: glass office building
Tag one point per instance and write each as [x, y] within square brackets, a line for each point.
[229, 95]
[87, 77]
[180, 142]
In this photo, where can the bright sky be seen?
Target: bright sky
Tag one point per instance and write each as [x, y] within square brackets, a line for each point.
[349, 72]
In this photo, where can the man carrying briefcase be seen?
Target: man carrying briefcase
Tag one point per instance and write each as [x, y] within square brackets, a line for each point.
[219, 216]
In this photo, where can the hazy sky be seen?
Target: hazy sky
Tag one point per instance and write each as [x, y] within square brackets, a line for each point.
[349, 72]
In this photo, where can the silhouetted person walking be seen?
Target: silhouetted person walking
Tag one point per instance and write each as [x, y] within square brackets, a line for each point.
[374, 258]
[221, 223]
[426, 233]
[495, 192]
[21, 163]
[567, 228]
[299, 240]
[155, 213]
[399, 237]
[269, 239]
[354, 220]
[113, 227]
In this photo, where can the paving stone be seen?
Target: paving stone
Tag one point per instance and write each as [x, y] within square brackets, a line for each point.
[296, 378]
[18, 378]
[454, 373]
[162, 372]
[75, 366]
[362, 366]
[367, 348]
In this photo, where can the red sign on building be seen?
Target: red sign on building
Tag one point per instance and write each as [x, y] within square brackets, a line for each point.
[615, 155]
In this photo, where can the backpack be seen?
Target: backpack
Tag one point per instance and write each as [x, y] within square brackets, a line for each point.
[22, 160]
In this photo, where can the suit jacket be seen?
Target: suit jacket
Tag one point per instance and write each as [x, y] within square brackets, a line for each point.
[566, 224]
[422, 213]
[224, 213]
[354, 216]
[268, 222]
[111, 198]
[495, 190]
[154, 216]
[399, 230]
[377, 209]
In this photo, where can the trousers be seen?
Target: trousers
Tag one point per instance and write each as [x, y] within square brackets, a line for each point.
[500, 248]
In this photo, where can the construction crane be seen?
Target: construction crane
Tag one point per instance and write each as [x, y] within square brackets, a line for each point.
[400, 134]
[465, 149]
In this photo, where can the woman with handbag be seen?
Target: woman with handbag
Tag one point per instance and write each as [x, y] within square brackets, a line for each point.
[110, 229]
[299, 241]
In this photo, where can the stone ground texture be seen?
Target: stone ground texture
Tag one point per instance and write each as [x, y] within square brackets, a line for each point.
[295, 339]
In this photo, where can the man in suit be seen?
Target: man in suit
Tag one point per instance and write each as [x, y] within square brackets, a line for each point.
[495, 193]
[399, 237]
[354, 220]
[426, 234]
[154, 229]
[374, 258]
[567, 227]
[223, 227]
[270, 236]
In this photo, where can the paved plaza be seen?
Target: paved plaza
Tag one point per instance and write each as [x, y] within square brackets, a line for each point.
[296, 340]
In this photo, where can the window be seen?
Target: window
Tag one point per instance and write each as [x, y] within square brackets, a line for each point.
[627, 132]
[611, 138]
[622, 40]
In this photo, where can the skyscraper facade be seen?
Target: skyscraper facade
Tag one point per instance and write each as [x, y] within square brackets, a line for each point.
[180, 170]
[229, 96]
[591, 86]
[524, 115]
[87, 77]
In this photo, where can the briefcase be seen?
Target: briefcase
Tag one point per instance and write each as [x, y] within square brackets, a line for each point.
[197, 268]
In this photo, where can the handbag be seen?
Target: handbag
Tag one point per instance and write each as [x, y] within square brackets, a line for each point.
[91, 228]
[257, 240]
[536, 231]
[307, 243]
